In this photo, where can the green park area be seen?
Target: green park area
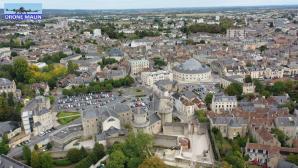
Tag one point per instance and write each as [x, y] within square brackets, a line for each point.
[67, 117]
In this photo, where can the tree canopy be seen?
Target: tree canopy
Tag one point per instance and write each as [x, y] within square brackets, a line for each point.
[153, 162]
[293, 158]
[54, 58]
[27, 154]
[97, 87]
[234, 89]
[135, 149]
[117, 160]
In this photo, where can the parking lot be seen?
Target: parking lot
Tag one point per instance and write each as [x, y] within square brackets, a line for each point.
[77, 103]
[201, 89]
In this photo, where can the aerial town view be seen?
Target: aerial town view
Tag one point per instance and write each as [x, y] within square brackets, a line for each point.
[148, 84]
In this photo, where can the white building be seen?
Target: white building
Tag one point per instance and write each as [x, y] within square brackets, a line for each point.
[97, 32]
[248, 88]
[223, 103]
[7, 86]
[5, 52]
[140, 42]
[149, 78]
[191, 71]
[185, 107]
[137, 66]
[37, 116]
[236, 33]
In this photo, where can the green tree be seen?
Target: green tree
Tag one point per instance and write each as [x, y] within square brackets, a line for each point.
[54, 58]
[4, 148]
[117, 160]
[83, 152]
[293, 158]
[74, 155]
[208, 99]
[234, 89]
[98, 150]
[27, 154]
[14, 54]
[153, 162]
[35, 159]
[5, 137]
[46, 160]
[36, 147]
[20, 67]
[263, 48]
[248, 79]
[279, 88]
[201, 114]
[281, 136]
[109, 87]
[72, 67]
[158, 62]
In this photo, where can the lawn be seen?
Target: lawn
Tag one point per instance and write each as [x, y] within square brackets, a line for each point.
[67, 117]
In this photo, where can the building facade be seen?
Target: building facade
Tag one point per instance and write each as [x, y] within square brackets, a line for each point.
[5, 52]
[248, 88]
[191, 71]
[230, 127]
[137, 66]
[98, 120]
[149, 78]
[37, 116]
[222, 103]
[7, 86]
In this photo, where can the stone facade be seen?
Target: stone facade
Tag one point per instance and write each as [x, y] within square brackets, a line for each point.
[149, 78]
[230, 127]
[137, 66]
[248, 88]
[223, 103]
[191, 71]
[37, 116]
[7, 86]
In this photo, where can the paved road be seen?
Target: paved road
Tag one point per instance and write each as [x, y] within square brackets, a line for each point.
[34, 140]
[37, 139]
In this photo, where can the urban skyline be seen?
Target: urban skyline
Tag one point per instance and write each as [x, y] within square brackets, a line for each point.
[137, 4]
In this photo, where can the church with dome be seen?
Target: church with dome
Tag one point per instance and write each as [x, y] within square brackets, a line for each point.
[191, 71]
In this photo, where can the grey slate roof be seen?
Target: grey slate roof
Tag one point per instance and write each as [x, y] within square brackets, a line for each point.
[223, 98]
[192, 66]
[5, 82]
[8, 126]
[7, 162]
[104, 112]
[286, 122]
[153, 118]
[116, 52]
[111, 132]
[231, 121]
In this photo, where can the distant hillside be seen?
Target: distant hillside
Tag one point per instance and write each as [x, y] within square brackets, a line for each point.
[65, 12]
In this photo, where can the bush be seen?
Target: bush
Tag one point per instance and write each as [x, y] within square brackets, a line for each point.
[62, 162]
[74, 155]
[202, 116]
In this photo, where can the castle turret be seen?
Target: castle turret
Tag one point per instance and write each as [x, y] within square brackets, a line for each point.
[140, 120]
[165, 108]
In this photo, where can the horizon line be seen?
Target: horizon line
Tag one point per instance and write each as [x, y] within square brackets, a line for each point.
[239, 6]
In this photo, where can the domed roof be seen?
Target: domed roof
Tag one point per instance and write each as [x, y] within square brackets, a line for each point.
[191, 66]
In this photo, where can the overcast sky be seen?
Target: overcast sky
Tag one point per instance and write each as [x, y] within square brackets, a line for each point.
[137, 4]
